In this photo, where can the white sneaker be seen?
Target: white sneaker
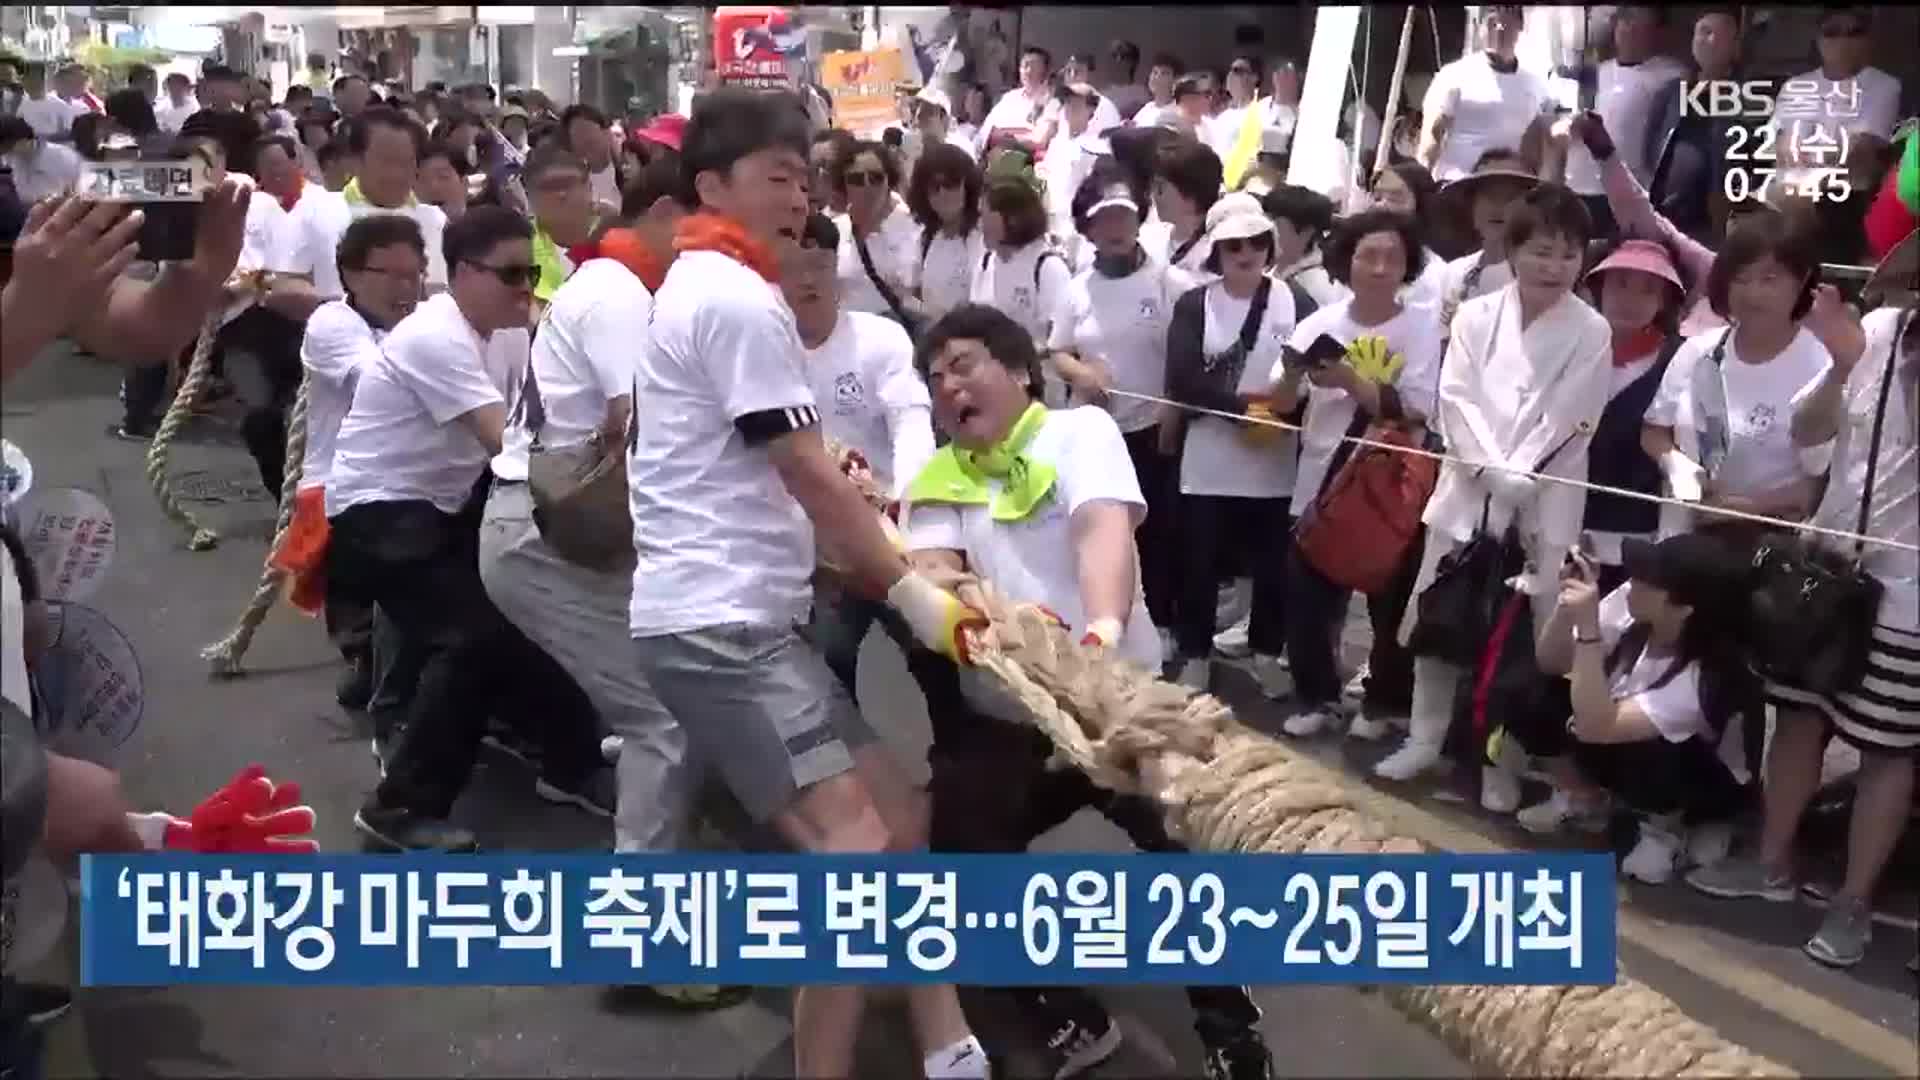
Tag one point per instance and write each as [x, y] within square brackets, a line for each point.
[1271, 673]
[1373, 729]
[1309, 722]
[1499, 789]
[1356, 687]
[1412, 759]
[1196, 675]
[1232, 642]
[610, 749]
[1651, 860]
[1544, 818]
[1708, 844]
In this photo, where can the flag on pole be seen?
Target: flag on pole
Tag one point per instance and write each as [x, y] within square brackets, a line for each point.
[1246, 146]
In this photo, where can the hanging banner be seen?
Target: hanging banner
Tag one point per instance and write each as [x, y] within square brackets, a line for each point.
[862, 87]
[761, 47]
[92, 693]
[1325, 167]
[69, 535]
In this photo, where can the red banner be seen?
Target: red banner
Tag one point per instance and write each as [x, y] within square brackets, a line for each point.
[758, 46]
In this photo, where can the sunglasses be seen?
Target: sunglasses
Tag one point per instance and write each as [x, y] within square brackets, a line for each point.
[513, 276]
[865, 178]
[1234, 245]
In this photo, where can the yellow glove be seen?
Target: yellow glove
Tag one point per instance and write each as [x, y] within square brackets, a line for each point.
[1260, 434]
[1374, 360]
[938, 618]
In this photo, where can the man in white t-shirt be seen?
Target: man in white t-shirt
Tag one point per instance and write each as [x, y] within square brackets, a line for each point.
[49, 114]
[41, 168]
[172, 111]
[584, 131]
[1028, 113]
[1843, 101]
[1483, 101]
[1043, 504]
[730, 484]
[1628, 90]
[1160, 83]
[409, 465]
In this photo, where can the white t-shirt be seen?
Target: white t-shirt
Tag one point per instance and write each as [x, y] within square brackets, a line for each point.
[1625, 96]
[1758, 414]
[1151, 114]
[1895, 514]
[310, 238]
[719, 538]
[870, 397]
[1673, 706]
[1453, 279]
[894, 246]
[400, 441]
[1016, 112]
[1430, 287]
[1224, 132]
[1490, 110]
[582, 356]
[1033, 560]
[338, 343]
[1157, 238]
[1414, 334]
[52, 169]
[171, 116]
[1218, 459]
[1122, 323]
[1027, 286]
[1069, 161]
[1867, 104]
[945, 277]
[13, 637]
[49, 117]
[265, 218]
[605, 186]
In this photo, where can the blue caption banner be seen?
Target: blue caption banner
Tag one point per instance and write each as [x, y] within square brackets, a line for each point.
[785, 920]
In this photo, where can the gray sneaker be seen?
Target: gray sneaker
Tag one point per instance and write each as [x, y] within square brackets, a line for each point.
[1741, 878]
[1843, 935]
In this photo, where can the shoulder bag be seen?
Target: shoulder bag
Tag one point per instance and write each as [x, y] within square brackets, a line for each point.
[579, 494]
[906, 318]
[1811, 610]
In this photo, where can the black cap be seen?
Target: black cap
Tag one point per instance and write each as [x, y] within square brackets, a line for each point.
[1695, 569]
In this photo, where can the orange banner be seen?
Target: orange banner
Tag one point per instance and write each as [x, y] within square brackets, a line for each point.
[862, 87]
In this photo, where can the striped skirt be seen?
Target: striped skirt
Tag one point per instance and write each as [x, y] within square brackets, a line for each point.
[1882, 714]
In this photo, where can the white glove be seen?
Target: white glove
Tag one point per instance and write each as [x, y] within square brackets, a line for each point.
[937, 617]
[1511, 490]
[1685, 476]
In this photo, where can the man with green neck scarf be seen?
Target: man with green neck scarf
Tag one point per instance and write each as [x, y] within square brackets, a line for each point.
[557, 186]
[1043, 504]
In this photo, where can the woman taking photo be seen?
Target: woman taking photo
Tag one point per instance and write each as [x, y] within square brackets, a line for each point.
[1525, 379]
[1373, 255]
[1235, 479]
[1644, 666]
[944, 198]
[1111, 333]
[878, 241]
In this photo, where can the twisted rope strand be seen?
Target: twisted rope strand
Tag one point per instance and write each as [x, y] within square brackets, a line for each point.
[224, 656]
[192, 384]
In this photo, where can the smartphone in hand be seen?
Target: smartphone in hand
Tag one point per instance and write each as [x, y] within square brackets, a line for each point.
[170, 192]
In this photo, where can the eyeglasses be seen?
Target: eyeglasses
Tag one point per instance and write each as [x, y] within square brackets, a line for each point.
[865, 178]
[512, 276]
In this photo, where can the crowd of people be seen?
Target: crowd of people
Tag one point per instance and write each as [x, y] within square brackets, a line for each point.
[583, 403]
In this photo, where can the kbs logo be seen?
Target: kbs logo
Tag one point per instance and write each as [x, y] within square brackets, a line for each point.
[1727, 99]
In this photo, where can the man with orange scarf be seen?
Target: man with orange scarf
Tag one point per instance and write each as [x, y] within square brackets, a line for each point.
[729, 485]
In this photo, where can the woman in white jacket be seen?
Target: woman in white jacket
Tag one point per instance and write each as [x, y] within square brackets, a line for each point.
[1524, 380]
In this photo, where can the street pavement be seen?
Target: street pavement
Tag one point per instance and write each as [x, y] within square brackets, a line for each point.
[1736, 966]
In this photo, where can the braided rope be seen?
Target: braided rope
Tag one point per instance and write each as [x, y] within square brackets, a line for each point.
[224, 655]
[1225, 787]
[191, 387]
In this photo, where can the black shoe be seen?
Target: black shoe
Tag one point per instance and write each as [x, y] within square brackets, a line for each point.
[1079, 1045]
[355, 688]
[506, 739]
[42, 1003]
[598, 794]
[1243, 1057]
[403, 830]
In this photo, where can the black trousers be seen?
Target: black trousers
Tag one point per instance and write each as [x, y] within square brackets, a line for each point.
[421, 567]
[1656, 776]
[145, 391]
[1318, 607]
[274, 341]
[1254, 536]
[992, 793]
[1159, 535]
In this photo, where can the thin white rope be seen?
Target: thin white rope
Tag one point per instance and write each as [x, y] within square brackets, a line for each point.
[1358, 440]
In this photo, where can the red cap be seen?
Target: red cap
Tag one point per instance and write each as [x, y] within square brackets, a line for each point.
[666, 129]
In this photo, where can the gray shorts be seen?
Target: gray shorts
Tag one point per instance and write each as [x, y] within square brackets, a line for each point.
[759, 706]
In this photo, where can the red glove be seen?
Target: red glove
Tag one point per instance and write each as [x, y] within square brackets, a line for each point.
[251, 815]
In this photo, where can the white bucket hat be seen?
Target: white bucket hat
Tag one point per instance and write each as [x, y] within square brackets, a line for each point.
[937, 98]
[1237, 217]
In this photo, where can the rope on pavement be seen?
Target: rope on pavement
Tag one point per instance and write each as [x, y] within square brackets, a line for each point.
[1226, 787]
[192, 384]
[224, 655]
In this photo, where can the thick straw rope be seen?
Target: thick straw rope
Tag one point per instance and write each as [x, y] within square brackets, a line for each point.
[224, 655]
[191, 387]
[1225, 787]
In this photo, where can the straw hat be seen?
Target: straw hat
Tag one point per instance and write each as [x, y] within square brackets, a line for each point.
[1457, 196]
[1646, 256]
[1237, 217]
[1897, 278]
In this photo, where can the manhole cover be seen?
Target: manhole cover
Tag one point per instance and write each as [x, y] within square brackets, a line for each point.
[216, 487]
